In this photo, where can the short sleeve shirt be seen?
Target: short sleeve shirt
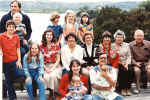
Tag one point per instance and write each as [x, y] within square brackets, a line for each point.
[50, 53]
[9, 47]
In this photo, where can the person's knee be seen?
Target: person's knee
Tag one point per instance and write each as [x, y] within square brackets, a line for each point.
[137, 71]
[29, 84]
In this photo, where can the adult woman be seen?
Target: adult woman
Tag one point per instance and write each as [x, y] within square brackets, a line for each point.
[70, 51]
[106, 47]
[75, 69]
[51, 53]
[84, 25]
[33, 66]
[103, 79]
[57, 29]
[124, 75]
[90, 54]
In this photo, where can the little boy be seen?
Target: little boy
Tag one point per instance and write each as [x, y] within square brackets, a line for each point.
[10, 47]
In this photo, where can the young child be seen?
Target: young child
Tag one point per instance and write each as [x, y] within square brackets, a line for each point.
[84, 25]
[21, 31]
[10, 47]
[76, 90]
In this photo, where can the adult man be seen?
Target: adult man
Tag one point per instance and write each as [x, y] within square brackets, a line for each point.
[15, 6]
[103, 79]
[140, 51]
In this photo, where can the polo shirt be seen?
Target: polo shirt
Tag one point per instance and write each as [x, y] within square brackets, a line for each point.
[9, 47]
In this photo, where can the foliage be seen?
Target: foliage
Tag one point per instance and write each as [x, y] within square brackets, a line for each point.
[111, 19]
[145, 5]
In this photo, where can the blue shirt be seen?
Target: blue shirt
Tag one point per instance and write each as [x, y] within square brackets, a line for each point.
[58, 30]
[33, 65]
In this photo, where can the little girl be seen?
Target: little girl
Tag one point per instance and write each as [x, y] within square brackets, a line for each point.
[84, 25]
[76, 90]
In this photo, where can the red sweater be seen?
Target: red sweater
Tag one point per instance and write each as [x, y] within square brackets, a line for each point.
[64, 84]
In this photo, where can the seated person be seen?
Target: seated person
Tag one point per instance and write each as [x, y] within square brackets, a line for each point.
[103, 79]
[76, 89]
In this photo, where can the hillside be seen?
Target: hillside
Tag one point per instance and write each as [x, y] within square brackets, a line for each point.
[46, 7]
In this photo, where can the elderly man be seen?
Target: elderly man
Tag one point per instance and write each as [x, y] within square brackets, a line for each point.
[140, 51]
[15, 6]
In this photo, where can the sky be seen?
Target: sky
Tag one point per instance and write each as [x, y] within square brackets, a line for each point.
[75, 1]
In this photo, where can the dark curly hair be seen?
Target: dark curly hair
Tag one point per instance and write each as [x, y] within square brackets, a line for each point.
[44, 42]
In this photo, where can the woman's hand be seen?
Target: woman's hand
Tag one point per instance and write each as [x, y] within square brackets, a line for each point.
[28, 79]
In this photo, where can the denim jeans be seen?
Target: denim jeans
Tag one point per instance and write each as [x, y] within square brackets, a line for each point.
[96, 97]
[119, 98]
[34, 75]
[11, 72]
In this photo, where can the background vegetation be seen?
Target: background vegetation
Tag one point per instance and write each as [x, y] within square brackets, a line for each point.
[113, 18]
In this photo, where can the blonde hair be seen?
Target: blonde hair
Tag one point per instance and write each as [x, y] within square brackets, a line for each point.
[75, 79]
[69, 12]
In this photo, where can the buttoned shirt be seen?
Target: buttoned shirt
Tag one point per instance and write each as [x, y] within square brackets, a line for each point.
[124, 53]
[140, 53]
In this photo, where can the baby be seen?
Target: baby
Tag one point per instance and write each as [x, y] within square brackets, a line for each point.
[76, 90]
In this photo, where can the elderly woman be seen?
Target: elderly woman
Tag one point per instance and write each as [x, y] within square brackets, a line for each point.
[51, 53]
[90, 54]
[125, 73]
[65, 82]
[57, 29]
[70, 51]
[33, 66]
[103, 79]
[106, 47]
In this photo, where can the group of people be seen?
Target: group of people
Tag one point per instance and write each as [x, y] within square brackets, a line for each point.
[68, 62]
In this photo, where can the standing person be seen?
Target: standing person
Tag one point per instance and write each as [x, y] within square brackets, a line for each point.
[65, 82]
[70, 51]
[51, 53]
[57, 29]
[70, 26]
[125, 74]
[15, 6]
[10, 47]
[103, 79]
[33, 66]
[21, 31]
[84, 25]
[106, 47]
[140, 51]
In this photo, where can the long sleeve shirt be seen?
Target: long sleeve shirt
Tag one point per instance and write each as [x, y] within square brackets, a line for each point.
[26, 21]
[33, 65]
[67, 56]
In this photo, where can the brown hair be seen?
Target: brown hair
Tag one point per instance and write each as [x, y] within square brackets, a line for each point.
[44, 41]
[87, 33]
[10, 22]
[29, 54]
[19, 4]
